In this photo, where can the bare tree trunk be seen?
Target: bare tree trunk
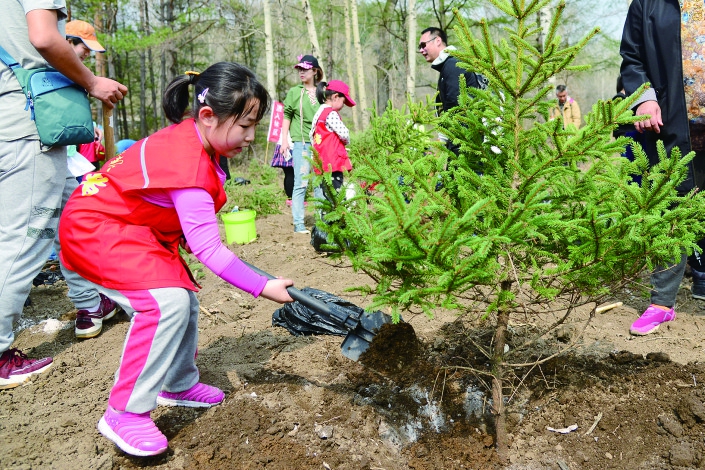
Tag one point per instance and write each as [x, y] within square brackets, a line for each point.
[360, 68]
[143, 72]
[544, 22]
[310, 24]
[169, 54]
[411, 48]
[330, 45]
[269, 49]
[281, 45]
[500, 339]
[442, 16]
[152, 82]
[348, 64]
[384, 60]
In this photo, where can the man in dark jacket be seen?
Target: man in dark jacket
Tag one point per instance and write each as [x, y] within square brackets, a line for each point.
[660, 46]
[433, 45]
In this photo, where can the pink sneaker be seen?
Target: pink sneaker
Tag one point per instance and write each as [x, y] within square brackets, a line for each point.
[134, 433]
[198, 396]
[16, 368]
[649, 321]
[288, 202]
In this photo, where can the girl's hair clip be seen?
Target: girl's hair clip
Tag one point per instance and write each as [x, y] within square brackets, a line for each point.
[192, 76]
[202, 96]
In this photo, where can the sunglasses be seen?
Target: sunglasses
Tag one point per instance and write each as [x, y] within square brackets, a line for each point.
[422, 44]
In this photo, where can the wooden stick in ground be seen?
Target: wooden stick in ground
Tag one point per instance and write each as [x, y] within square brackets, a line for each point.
[108, 132]
[604, 308]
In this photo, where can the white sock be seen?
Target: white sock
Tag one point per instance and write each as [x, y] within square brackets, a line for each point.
[94, 308]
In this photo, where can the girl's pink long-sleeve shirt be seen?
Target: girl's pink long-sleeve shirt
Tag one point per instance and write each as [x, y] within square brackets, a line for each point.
[196, 212]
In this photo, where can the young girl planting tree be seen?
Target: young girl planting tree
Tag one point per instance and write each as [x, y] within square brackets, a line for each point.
[122, 230]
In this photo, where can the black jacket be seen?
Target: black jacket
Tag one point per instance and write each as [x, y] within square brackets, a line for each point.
[449, 82]
[651, 52]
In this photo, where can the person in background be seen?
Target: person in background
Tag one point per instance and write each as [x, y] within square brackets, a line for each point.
[160, 195]
[300, 105]
[93, 307]
[567, 108]
[32, 177]
[662, 45]
[433, 46]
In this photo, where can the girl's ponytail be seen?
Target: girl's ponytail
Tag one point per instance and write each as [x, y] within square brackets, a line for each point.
[321, 92]
[176, 97]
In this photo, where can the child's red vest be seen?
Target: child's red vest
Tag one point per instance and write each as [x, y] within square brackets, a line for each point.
[111, 236]
[331, 150]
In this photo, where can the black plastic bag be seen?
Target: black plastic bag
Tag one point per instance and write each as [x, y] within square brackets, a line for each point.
[319, 238]
[301, 320]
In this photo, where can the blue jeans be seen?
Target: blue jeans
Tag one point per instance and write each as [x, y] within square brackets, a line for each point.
[301, 154]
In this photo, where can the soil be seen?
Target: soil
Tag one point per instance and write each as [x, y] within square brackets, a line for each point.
[414, 400]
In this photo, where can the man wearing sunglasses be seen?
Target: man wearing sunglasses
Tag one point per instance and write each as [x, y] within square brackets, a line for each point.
[433, 46]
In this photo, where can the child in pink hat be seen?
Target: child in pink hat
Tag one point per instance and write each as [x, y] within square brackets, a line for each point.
[329, 135]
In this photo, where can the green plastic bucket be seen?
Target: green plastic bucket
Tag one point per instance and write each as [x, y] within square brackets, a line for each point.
[240, 226]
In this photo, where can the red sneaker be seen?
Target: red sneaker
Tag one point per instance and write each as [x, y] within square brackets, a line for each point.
[90, 324]
[16, 368]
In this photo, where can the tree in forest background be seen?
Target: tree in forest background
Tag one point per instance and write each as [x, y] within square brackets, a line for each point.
[528, 219]
[151, 41]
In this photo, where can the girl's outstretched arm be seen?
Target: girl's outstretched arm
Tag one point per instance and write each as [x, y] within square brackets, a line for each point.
[197, 216]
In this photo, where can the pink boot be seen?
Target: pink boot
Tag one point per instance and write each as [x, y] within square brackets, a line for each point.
[134, 433]
[198, 396]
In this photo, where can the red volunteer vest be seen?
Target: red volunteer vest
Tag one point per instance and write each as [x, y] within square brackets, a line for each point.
[111, 236]
[331, 150]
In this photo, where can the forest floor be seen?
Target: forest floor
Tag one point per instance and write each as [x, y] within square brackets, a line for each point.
[414, 403]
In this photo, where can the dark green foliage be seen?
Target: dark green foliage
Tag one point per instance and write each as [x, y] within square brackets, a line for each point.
[550, 214]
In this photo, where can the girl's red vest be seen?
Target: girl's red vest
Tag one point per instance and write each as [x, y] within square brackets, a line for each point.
[111, 236]
[331, 150]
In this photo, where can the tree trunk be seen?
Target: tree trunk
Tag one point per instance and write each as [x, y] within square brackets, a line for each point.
[152, 83]
[169, 54]
[411, 49]
[269, 49]
[384, 60]
[442, 15]
[143, 72]
[360, 66]
[500, 339]
[310, 24]
[349, 66]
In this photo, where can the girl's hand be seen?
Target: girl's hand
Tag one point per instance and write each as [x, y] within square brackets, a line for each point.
[275, 290]
[184, 244]
[284, 147]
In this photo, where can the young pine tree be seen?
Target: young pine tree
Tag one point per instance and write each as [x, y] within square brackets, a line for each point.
[527, 215]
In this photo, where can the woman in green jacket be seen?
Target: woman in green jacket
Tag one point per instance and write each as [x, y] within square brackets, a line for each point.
[300, 105]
